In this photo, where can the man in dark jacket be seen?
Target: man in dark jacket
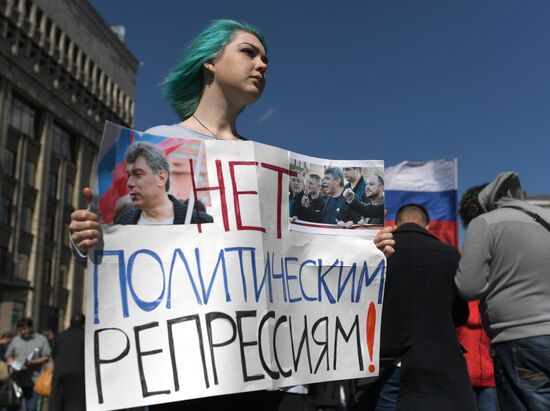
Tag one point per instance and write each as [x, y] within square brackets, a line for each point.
[420, 312]
[68, 392]
[335, 208]
[295, 192]
[312, 203]
[355, 184]
[364, 204]
[148, 184]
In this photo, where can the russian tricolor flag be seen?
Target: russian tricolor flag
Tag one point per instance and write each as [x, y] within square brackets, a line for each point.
[432, 184]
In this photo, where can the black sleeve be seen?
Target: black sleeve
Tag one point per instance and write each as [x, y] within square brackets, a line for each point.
[460, 310]
[296, 207]
[367, 210]
[311, 213]
[200, 217]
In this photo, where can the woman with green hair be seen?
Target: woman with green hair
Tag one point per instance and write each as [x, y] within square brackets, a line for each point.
[221, 72]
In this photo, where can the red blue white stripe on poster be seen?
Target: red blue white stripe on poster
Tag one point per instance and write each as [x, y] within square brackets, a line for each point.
[432, 184]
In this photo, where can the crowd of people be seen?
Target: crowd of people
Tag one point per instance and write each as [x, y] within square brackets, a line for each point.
[29, 353]
[425, 364]
[341, 197]
[504, 265]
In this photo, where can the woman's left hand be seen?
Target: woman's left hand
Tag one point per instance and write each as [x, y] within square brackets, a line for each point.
[384, 240]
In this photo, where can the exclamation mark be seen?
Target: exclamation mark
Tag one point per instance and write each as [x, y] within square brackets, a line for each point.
[371, 326]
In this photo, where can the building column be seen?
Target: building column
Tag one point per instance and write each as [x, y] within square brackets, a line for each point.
[5, 95]
[36, 261]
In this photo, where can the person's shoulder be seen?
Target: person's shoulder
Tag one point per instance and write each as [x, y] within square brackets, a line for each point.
[418, 236]
[441, 246]
[508, 207]
[69, 333]
[180, 211]
[163, 129]
[129, 217]
[178, 202]
[15, 341]
[176, 131]
[39, 339]
[448, 249]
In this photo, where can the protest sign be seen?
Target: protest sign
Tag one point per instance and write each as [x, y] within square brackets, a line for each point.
[244, 303]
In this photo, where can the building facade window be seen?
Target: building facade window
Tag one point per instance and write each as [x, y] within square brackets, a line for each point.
[69, 189]
[64, 144]
[30, 173]
[52, 185]
[50, 228]
[8, 162]
[5, 210]
[47, 272]
[23, 117]
[22, 265]
[62, 279]
[17, 312]
[25, 219]
[4, 261]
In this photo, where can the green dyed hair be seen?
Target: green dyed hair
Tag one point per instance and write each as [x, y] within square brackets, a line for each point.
[184, 83]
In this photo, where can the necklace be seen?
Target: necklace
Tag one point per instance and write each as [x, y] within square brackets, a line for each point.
[206, 128]
[210, 131]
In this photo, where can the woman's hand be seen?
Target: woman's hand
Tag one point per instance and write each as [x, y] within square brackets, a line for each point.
[384, 240]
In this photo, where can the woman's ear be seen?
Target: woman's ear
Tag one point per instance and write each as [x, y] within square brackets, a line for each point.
[209, 66]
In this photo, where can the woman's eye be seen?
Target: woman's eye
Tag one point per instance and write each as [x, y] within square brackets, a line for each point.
[249, 52]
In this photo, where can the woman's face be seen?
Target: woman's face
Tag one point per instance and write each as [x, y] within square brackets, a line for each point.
[239, 71]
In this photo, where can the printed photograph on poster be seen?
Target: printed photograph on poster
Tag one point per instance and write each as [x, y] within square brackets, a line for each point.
[335, 197]
[139, 174]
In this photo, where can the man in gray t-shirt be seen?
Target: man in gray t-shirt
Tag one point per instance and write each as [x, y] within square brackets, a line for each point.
[26, 354]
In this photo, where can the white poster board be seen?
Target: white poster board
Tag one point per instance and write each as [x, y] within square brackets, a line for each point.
[176, 312]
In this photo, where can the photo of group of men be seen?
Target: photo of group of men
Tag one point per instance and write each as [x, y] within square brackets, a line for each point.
[329, 196]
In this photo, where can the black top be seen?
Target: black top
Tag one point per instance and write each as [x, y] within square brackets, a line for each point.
[68, 383]
[365, 208]
[359, 191]
[420, 312]
[180, 211]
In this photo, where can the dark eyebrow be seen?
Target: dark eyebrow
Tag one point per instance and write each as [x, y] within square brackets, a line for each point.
[264, 56]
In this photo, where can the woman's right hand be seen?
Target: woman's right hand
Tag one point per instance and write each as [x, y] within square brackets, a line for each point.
[85, 226]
